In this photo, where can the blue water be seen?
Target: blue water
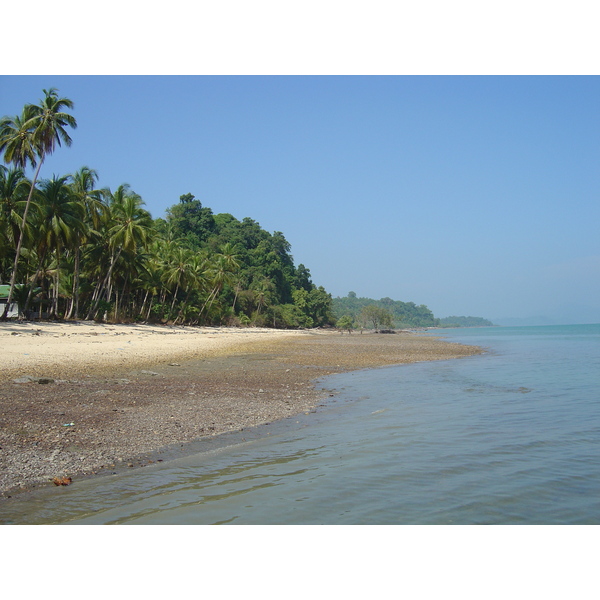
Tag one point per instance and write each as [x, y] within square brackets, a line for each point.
[508, 437]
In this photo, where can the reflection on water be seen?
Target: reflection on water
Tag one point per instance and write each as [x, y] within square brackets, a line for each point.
[487, 439]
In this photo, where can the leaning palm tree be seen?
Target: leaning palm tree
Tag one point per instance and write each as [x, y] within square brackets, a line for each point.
[27, 140]
[178, 273]
[263, 290]
[128, 228]
[219, 273]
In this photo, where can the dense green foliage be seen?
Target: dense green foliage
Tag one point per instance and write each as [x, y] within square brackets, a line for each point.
[464, 322]
[362, 312]
[73, 250]
[404, 314]
[375, 317]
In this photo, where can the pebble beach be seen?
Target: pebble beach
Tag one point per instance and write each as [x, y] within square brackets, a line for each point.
[86, 399]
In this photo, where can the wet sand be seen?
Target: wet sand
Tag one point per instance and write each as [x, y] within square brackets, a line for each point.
[85, 399]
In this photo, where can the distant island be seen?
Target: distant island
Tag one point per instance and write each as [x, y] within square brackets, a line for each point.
[394, 314]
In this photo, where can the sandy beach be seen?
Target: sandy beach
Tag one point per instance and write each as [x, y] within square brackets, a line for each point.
[84, 399]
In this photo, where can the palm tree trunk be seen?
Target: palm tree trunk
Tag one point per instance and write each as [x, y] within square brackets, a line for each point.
[187, 297]
[144, 302]
[149, 308]
[210, 299]
[174, 297]
[54, 307]
[237, 289]
[117, 300]
[105, 282]
[35, 279]
[75, 299]
[123, 294]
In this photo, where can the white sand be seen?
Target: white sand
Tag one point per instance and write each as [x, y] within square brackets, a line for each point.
[50, 348]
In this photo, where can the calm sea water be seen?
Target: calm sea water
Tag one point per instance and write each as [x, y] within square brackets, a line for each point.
[508, 437]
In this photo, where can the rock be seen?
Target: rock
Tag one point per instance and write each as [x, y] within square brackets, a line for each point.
[45, 380]
[62, 481]
[24, 379]
[149, 373]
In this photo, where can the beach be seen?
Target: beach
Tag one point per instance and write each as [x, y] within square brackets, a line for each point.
[88, 399]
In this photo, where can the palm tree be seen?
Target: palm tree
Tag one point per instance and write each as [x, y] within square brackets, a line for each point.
[220, 273]
[195, 283]
[83, 183]
[178, 271]
[152, 279]
[128, 228]
[62, 224]
[14, 188]
[263, 293]
[228, 252]
[28, 139]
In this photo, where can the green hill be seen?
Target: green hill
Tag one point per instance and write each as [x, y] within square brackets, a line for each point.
[404, 314]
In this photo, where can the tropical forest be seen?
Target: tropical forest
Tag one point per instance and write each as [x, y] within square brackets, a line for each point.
[71, 249]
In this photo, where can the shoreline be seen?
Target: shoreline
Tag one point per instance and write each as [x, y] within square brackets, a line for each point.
[81, 400]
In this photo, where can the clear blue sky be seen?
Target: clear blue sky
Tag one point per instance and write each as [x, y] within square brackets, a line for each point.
[473, 195]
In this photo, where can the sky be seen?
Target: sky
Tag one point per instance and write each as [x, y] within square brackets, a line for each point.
[436, 153]
[473, 195]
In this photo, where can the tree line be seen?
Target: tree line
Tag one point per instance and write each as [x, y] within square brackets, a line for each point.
[73, 250]
[352, 311]
[384, 313]
[464, 322]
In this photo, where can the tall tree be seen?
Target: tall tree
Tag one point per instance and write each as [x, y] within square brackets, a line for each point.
[14, 188]
[27, 140]
[190, 220]
[83, 183]
[61, 225]
[129, 229]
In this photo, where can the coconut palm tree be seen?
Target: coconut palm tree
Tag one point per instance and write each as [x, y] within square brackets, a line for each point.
[128, 228]
[153, 278]
[178, 271]
[195, 284]
[219, 273]
[50, 122]
[82, 184]
[263, 290]
[14, 188]
[62, 226]
[27, 140]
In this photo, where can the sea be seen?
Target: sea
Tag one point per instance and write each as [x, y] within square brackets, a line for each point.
[508, 437]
